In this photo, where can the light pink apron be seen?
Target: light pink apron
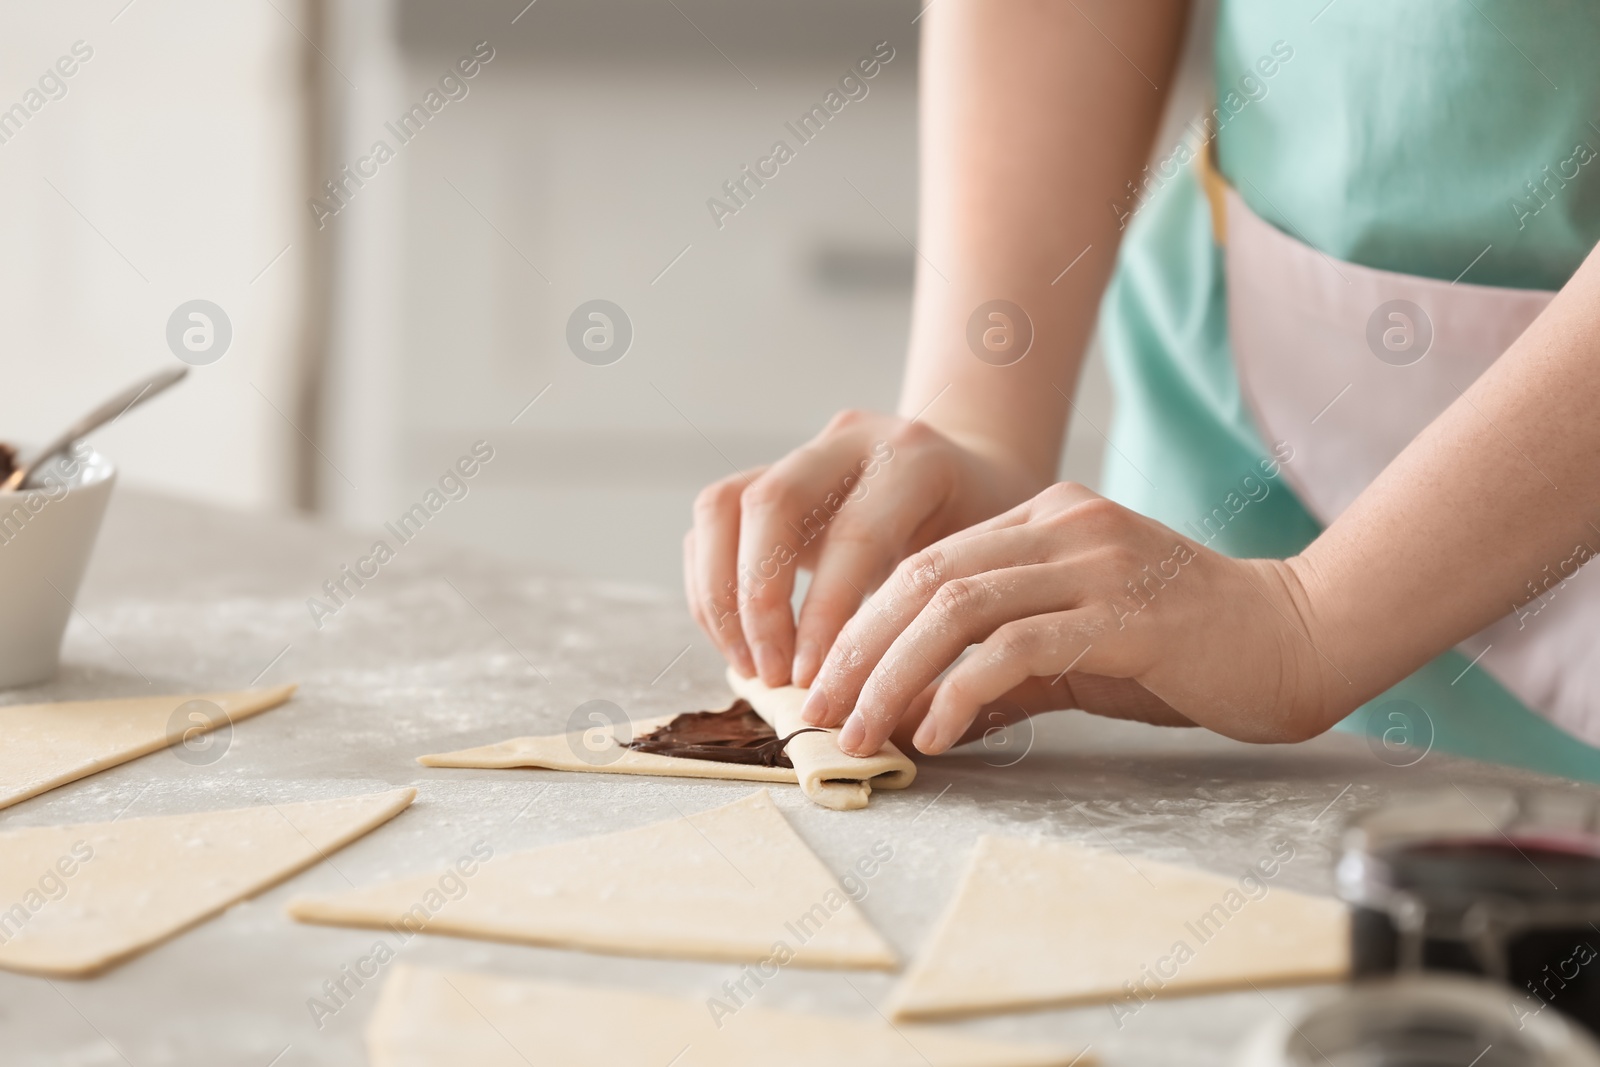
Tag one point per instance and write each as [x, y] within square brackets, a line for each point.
[1347, 364]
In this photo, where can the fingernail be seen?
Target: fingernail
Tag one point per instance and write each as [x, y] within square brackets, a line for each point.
[927, 734]
[853, 734]
[815, 709]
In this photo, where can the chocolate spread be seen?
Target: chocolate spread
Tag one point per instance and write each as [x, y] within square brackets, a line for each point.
[737, 735]
[8, 460]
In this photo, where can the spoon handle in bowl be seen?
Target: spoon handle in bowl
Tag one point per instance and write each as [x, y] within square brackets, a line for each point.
[135, 394]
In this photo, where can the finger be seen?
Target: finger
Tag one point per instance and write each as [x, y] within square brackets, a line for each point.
[780, 514]
[1052, 500]
[916, 581]
[1041, 646]
[688, 583]
[1033, 697]
[998, 714]
[1052, 526]
[857, 555]
[963, 612]
[853, 561]
[1097, 694]
[716, 543]
[1123, 698]
[906, 728]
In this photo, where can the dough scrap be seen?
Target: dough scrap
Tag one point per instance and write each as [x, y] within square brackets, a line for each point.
[727, 884]
[1038, 923]
[430, 1018]
[46, 745]
[80, 898]
[826, 775]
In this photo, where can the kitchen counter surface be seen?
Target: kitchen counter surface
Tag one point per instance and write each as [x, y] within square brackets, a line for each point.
[446, 648]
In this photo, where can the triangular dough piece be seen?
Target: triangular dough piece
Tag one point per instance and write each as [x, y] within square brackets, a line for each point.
[825, 774]
[1038, 922]
[428, 1018]
[566, 752]
[730, 884]
[90, 895]
[46, 745]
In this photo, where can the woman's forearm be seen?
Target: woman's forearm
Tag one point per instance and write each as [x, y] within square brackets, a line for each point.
[1035, 114]
[1449, 537]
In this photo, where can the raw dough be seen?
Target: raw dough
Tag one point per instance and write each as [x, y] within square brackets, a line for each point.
[725, 884]
[826, 775]
[429, 1018]
[46, 745]
[560, 752]
[78, 898]
[1039, 922]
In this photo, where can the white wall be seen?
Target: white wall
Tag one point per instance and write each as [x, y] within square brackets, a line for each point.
[584, 152]
[579, 166]
[166, 173]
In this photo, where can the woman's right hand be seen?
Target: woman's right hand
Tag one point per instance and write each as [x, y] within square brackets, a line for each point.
[848, 506]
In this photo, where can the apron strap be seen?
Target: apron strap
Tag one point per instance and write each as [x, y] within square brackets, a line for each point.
[1215, 187]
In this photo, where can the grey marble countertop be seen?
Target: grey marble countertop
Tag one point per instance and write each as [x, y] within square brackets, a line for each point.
[446, 648]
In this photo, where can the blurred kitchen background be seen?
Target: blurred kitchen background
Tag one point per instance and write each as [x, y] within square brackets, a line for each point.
[369, 352]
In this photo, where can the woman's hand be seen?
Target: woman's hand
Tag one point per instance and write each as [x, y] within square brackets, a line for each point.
[848, 505]
[1074, 601]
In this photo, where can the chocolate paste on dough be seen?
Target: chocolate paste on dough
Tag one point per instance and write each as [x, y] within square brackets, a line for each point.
[737, 735]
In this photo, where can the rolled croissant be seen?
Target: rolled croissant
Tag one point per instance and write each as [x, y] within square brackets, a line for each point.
[827, 775]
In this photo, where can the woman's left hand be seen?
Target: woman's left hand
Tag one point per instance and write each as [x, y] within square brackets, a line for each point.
[1076, 602]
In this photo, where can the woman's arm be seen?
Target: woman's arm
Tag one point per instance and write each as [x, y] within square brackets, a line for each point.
[1448, 537]
[1076, 602]
[1035, 116]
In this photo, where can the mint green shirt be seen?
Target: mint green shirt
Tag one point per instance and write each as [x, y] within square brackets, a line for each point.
[1446, 138]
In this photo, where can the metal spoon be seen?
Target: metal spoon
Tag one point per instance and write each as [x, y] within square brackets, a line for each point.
[135, 394]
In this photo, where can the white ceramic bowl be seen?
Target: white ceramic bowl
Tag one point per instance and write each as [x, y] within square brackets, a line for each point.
[46, 537]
